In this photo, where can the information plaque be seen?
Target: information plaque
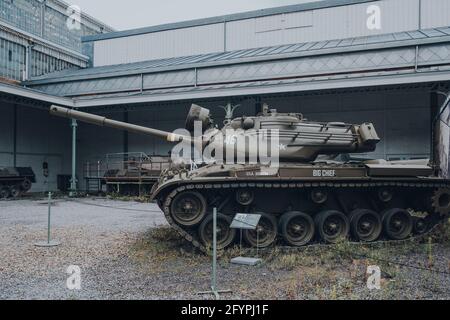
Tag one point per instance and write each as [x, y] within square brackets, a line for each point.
[245, 221]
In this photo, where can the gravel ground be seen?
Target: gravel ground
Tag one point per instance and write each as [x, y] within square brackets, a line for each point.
[126, 251]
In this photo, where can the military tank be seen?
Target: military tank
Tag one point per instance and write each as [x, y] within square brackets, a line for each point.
[308, 196]
[135, 176]
[14, 181]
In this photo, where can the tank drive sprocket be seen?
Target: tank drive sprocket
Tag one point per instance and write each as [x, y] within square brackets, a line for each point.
[441, 201]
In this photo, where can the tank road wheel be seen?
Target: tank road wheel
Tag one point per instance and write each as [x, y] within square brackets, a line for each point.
[188, 208]
[15, 191]
[26, 185]
[297, 228]
[441, 201]
[225, 235]
[265, 233]
[332, 226]
[365, 225]
[4, 193]
[398, 224]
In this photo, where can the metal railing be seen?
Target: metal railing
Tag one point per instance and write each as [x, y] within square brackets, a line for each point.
[94, 170]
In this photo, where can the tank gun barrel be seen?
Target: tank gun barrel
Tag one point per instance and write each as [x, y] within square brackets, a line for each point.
[105, 122]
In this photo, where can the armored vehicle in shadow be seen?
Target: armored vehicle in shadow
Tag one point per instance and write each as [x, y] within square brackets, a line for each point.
[15, 181]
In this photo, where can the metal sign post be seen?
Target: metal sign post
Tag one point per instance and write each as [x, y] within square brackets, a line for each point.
[245, 221]
[49, 242]
[214, 290]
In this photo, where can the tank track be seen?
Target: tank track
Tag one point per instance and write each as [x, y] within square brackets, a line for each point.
[191, 234]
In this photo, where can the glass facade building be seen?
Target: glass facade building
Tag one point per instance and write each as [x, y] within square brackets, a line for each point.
[35, 39]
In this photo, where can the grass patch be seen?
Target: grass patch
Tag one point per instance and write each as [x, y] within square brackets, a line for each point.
[442, 234]
[161, 247]
[318, 272]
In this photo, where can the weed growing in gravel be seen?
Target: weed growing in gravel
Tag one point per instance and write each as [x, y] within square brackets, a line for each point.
[159, 247]
[339, 271]
[442, 234]
[289, 261]
[316, 272]
[119, 197]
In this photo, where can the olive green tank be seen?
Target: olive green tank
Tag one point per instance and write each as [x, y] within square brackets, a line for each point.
[296, 175]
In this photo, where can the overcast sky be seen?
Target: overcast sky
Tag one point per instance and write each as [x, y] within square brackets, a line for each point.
[131, 14]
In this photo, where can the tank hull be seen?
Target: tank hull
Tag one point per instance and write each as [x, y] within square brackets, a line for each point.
[319, 197]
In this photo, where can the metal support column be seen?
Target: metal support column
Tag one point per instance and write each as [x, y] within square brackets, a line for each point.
[125, 137]
[73, 180]
[15, 136]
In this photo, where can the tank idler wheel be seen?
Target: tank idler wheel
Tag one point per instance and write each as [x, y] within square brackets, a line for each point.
[188, 208]
[365, 225]
[397, 224]
[26, 185]
[245, 197]
[4, 193]
[297, 228]
[15, 191]
[225, 235]
[332, 226]
[421, 226]
[265, 234]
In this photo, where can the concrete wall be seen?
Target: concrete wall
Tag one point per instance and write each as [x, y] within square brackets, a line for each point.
[39, 138]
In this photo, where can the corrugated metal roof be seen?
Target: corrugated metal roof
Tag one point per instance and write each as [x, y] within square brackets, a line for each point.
[15, 90]
[259, 54]
[260, 87]
[227, 18]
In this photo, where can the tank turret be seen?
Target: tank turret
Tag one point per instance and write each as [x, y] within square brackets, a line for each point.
[295, 138]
